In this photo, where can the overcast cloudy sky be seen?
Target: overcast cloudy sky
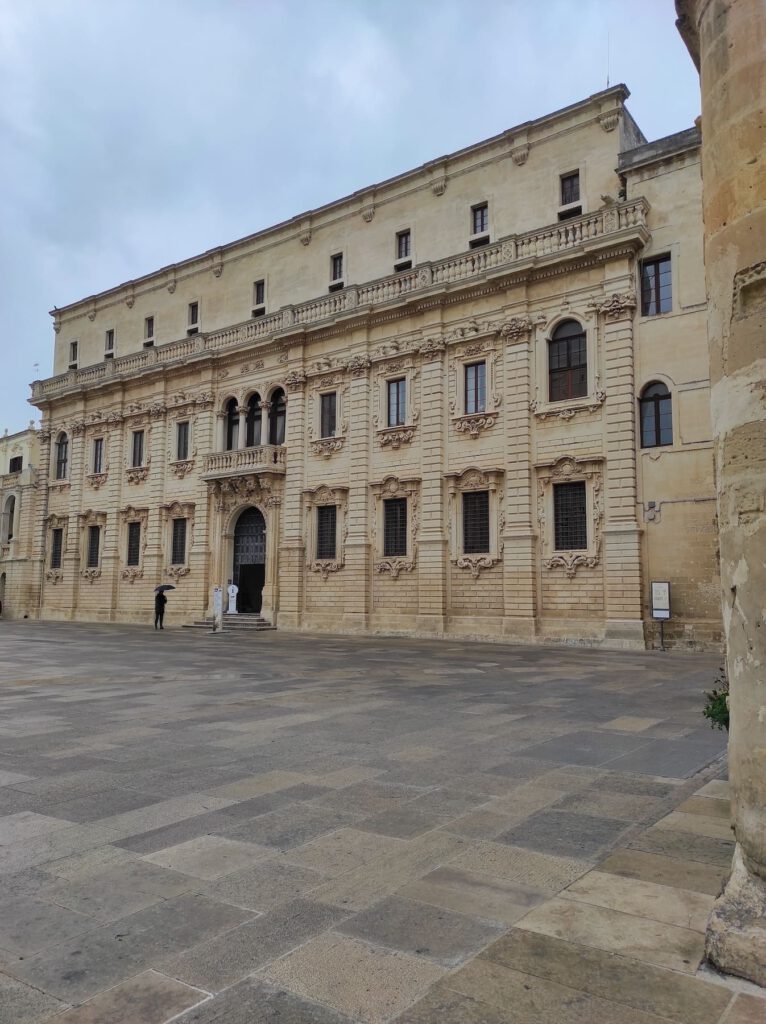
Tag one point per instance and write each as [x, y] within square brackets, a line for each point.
[135, 133]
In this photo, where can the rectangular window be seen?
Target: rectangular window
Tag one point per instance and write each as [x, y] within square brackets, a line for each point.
[570, 516]
[397, 399]
[395, 528]
[16, 464]
[149, 328]
[327, 518]
[568, 368]
[403, 247]
[480, 219]
[109, 341]
[193, 318]
[656, 286]
[178, 554]
[62, 457]
[57, 543]
[259, 293]
[138, 448]
[476, 522]
[475, 387]
[134, 544]
[94, 543]
[73, 351]
[182, 440]
[98, 455]
[570, 188]
[328, 405]
[336, 267]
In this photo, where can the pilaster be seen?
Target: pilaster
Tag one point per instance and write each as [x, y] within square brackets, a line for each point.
[358, 585]
[291, 550]
[432, 540]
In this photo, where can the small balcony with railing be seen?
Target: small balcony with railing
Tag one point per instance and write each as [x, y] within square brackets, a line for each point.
[251, 436]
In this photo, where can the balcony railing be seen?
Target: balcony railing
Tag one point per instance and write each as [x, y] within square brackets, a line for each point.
[265, 458]
[610, 222]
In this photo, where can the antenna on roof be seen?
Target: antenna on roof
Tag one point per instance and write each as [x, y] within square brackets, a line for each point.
[607, 57]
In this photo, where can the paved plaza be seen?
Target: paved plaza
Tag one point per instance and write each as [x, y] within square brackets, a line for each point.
[290, 829]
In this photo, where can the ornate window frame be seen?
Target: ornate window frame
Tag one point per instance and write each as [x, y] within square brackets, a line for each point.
[325, 385]
[476, 351]
[395, 487]
[177, 510]
[55, 522]
[84, 521]
[403, 433]
[93, 478]
[180, 467]
[137, 474]
[458, 484]
[567, 469]
[541, 406]
[129, 514]
[312, 500]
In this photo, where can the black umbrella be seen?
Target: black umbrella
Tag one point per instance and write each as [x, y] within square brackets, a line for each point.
[164, 587]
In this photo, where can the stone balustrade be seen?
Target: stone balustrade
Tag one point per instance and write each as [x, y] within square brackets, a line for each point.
[265, 457]
[542, 243]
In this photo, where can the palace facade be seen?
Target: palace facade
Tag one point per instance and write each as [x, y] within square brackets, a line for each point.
[469, 400]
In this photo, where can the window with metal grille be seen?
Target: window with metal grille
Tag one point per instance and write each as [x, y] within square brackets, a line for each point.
[567, 362]
[178, 554]
[656, 286]
[570, 188]
[134, 544]
[327, 518]
[403, 239]
[394, 527]
[336, 267]
[98, 455]
[570, 516]
[397, 402]
[277, 417]
[327, 411]
[476, 522]
[138, 448]
[62, 457]
[16, 464]
[656, 409]
[57, 544]
[182, 440]
[475, 387]
[94, 544]
[480, 218]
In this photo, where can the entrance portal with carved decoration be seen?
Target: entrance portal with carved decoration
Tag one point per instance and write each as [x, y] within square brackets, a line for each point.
[249, 560]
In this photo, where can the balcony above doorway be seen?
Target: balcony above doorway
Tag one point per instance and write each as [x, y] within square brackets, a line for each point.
[265, 458]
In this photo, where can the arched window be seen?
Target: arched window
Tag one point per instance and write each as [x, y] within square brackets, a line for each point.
[567, 362]
[277, 417]
[62, 457]
[254, 416]
[9, 514]
[656, 408]
[232, 424]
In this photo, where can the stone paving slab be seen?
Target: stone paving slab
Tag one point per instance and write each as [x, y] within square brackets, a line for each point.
[295, 829]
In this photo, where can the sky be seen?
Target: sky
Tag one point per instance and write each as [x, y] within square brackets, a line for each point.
[135, 133]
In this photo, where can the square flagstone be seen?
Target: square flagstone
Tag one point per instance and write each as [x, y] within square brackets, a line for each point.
[668, 994]
[208, 856]
[402, 822]
[16, 828]
[476, 895]
[631, 723]
[342, 851]
[653, 867]
[254, 1001]
[265, 885]
[586, 748]
[697, 824]
[22, 1004]
[421, 929]
[149, 998]
[707, 806]
[12, 778]
[686, 846]
[291, 826]
[680, 907]
[540, 872]
[563, 833]
[746, 1009]
[664, 945]
[366, 983]
[28, 924]
[445, 1006]
[605, 804]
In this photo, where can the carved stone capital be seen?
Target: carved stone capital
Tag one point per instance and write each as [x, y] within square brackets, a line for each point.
[295, 380]
[177, 572]
[432, 347]
[394, 566]
[91, 575]
[609, 120]
[394, 437]
[358, 366]
[132, 573]
[95, 480]
[475, 563]
[136, 475]
[54, 576]
[327, 446]
[324, 568]
[474, 425]
[618, 306]
[180, 469]
[519, 154]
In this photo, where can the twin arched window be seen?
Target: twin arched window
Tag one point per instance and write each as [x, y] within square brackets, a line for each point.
[9, 514]
[62, 457]
[656, 411]
[277, 407]
[567, 362]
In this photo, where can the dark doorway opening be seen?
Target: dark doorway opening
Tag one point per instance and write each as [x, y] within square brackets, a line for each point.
[249, 569]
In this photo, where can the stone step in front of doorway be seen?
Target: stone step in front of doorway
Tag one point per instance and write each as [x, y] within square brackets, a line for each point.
[242, 623]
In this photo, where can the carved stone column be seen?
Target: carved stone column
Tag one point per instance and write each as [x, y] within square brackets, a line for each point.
[518, 535]
[726, 40]
[291, 551]
[358, 585]
[432, 540]
[242, 429]
[621, 531]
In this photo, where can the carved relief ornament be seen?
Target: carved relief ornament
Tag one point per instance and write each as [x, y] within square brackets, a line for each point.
[566, 469]
[313, 499]
[458, 484]
[394, 487]
[617, 306]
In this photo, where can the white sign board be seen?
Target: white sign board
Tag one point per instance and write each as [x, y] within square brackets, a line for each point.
[217, 608]
[660, 599]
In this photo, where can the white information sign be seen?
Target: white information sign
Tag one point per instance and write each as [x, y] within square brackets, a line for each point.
[217, 609]
[232, 591]
[660, 599]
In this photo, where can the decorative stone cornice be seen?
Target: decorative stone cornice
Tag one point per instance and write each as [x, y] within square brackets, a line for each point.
[95, 480]
[566, 412]
[54, 576]
[181, 468]
[131, 574]
[476, 563]
[394, 566]
[474, 425]
[358, 366]
[136, 475]
[519, 154]
[394, 437]
[326, 446]
[325, 568]
[519, 327]
[609, 120]
[177, 572]
[91, 575]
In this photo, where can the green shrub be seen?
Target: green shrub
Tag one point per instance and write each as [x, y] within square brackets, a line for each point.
[717, 703]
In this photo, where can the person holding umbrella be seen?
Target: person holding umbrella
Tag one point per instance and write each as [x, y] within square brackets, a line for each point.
[159, 604]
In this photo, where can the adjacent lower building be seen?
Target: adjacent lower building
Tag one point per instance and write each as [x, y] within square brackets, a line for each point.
[20, 484]
[469, 400]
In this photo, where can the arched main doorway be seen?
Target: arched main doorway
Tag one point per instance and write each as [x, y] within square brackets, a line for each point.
[249, 569]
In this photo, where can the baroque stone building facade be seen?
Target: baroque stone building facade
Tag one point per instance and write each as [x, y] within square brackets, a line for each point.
[19, 493]
[472, 399]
